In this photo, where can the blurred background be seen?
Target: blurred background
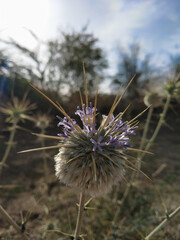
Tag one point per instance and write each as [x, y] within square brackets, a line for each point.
[44, 43]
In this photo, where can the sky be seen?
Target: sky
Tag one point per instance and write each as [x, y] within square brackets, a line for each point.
[155, 24]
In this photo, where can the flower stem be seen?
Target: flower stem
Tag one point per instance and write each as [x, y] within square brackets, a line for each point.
[80, 214]
[162, 223]
[161, 120]
[143, 139]
[128, 188]
[140, 157]
[9, 145]
[12, 222]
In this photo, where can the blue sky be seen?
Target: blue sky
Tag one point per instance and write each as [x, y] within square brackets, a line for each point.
[153, 23]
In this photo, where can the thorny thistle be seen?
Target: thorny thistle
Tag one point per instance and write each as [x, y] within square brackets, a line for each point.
[17, 110]
[92, 158]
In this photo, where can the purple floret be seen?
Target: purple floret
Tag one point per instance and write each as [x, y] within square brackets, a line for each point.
[86, 114]
[118, 142]
[89, 129]
[68, 126]
[98, 145]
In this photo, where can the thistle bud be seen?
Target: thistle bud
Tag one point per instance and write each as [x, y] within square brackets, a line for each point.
[153, 99]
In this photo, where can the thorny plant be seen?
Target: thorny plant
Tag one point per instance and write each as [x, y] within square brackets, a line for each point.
[92, 158]
[172, 89]
[16, 111]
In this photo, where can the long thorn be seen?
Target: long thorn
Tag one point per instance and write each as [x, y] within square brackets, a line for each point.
[48, 136]
[59, 107]
[127, 87]
[112, 108]
[81, 98]
[95, 105]
[45, 148]
[138, 169]
[139, 114]
[115, 104]
[120, 116]
[139, 150]
[85, 84]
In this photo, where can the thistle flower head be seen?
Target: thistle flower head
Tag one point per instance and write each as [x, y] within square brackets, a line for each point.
[92, 158]
[17, 110]
[153, 99]
[173, 87]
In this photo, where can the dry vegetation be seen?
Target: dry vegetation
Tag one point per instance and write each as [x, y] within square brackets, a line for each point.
[41, 205]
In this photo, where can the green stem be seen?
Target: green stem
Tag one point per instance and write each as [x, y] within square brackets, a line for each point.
[162, 223]
[140, 157]
[9, 145]
[12, 222]
[161, 121]
[143, 139]
[128, 188]
[80, 214]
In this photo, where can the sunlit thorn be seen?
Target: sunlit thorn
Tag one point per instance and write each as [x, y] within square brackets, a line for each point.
[133, 123]
[59, 107]
[81, 98]
[95, 105]
[85, 85]
[112, 108]
[116, 102]
[139, 114]
[48, 136]
[127, 87]
[119, 117]
[45, 148]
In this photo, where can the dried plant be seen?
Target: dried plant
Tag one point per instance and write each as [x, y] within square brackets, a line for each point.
[16, 111]
[92, 158]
